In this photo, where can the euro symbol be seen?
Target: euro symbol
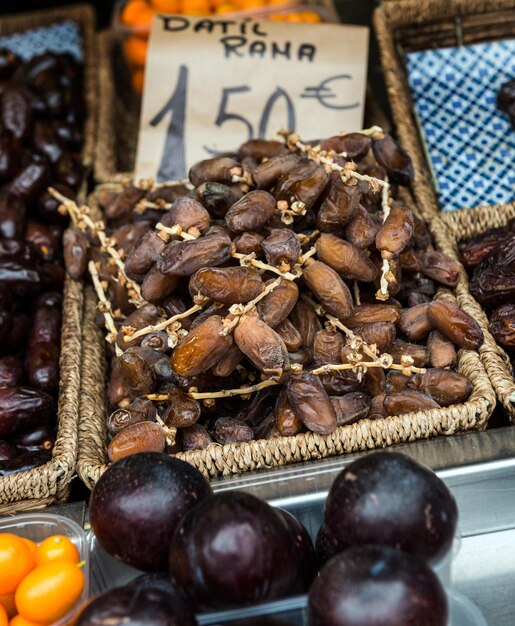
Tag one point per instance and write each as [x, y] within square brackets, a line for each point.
[324, 92]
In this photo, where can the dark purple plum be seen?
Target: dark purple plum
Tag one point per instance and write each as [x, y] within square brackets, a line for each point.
[137, 504]
[304, 550]
[137, 606]
[386, 498]
[233, 550]
[377, 586]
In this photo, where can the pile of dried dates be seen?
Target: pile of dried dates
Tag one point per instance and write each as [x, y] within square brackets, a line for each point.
[283, 290]
[41, 118]
[490, 259]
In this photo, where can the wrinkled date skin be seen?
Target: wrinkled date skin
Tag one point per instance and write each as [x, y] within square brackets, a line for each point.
[289, 334]
[371, 313]
[201, 348]
[327, 346]
[442, 385]
[186, 257]
[458, 326]
[354, 145]
[278, 303]
[230, 430]
[339, 206]
[187, 213]
[75, 247]
[286, 420]
[493, 280]
[395, 160]
[281, 247]
[414, 322]
[351, 407]
[311, 403]
[219, 169]
[348, 260]
[251, 212]
[396, 232]
[442, 352]
[141, 410]
[502, 325]
[304, 184]
[262, 345]
[408, 401]
[195, 437]
[329, 288]
[21, 408]
[139, 437]
[181, 411]
[306, 321]
[228, 285]
[440, 267]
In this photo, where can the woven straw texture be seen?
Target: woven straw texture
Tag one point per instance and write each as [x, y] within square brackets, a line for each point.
[118, 112]
[422, 24]
[237, 458]
[449, 229]
[50, 483]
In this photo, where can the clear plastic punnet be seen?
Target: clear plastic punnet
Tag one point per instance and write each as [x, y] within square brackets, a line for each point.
[39, 526]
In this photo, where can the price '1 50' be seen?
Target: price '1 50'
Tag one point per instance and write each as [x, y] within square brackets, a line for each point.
[173, 160]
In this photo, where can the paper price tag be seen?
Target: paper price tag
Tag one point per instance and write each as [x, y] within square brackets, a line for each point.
[212, 84]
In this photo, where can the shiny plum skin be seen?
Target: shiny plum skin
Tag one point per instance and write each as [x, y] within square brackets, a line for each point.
[137, 606]
[233, 550]
[386, 498]
[137, 504]
[377, 586]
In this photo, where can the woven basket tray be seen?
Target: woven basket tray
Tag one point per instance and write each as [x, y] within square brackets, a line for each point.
[449, 229]
[50, 483]
[238, 458]
[422, 24]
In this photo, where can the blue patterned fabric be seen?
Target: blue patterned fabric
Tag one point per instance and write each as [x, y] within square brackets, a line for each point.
[60, 37]
[471, 144]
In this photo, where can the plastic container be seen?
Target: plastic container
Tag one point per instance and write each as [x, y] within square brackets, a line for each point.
[39, 526]
[107, 572]
[293, 611]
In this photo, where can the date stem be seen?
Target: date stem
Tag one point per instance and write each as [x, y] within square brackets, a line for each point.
[97, 228]
[104, 306]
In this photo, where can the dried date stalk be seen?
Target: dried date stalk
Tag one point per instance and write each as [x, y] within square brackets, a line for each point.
[81, 218]
[104, 306]
[348, 171]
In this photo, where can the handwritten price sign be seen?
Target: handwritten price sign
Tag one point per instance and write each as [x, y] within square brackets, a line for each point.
[212, 84]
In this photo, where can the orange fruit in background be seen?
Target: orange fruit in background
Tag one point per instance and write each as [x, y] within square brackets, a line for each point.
[7, 603]
[18, 620]
[56, 547]
[251, 4]
[3, 617]
[166, 6]
[138, 80]
[196, 7]
[135, 49]
[50, 591]
[226, 7]
[32, 545]
[137, 13]
[16, 561]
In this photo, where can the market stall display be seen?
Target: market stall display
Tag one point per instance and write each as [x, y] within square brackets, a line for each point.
[47, 118]
[279, 382]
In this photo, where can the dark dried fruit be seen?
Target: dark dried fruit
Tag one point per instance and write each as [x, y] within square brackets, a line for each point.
[311, 403]
[351, 407]
[395, 160]
[408, 401]
[458, 326]
[229, 285]
[262, 345]
[138, 437]
[329, 288]
[230, 430]
[251, 212]
[442, 385]
[349, 261]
